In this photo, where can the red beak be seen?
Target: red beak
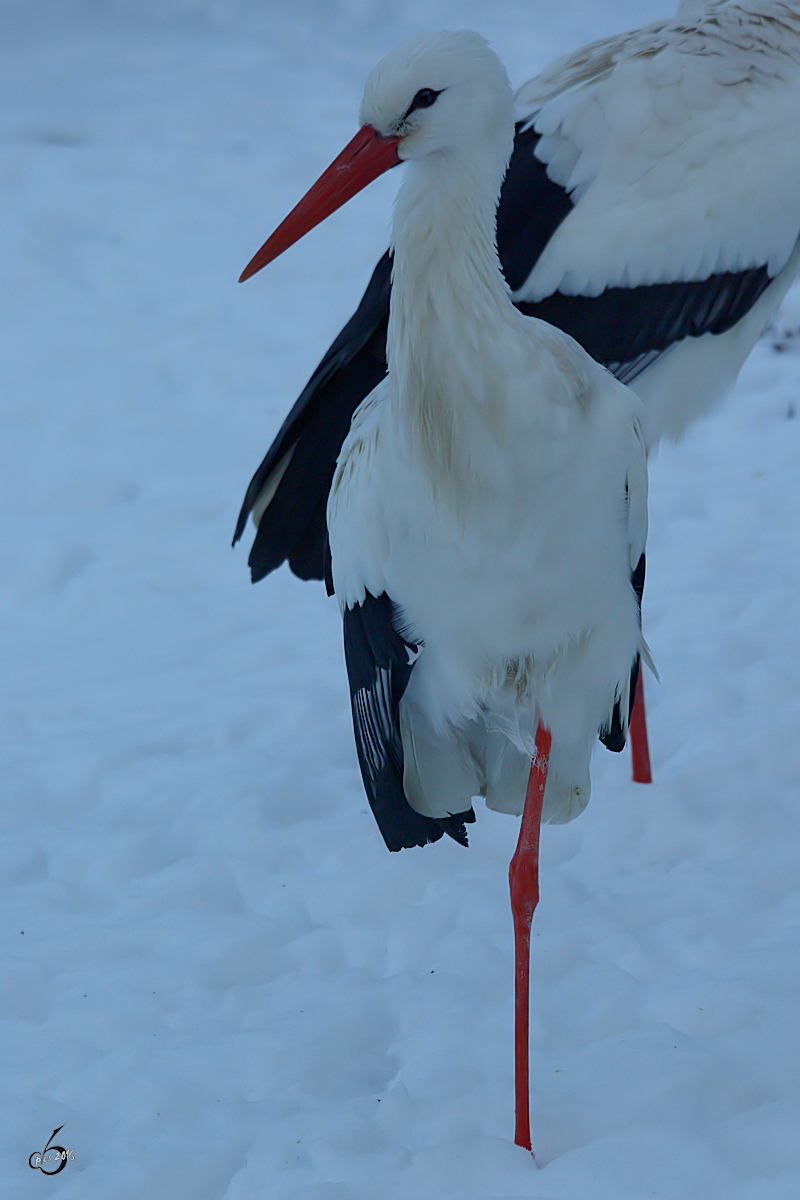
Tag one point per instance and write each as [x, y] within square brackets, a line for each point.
[361, 161]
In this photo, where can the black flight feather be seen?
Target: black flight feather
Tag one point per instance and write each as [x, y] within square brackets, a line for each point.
[379, 664]
[314, 431]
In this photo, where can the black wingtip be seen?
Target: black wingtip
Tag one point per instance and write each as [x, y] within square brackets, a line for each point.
[241, 520]
[455, 826]
[422, 832]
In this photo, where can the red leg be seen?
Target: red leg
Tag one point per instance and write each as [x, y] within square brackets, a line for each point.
[523, 878]
[640, 750]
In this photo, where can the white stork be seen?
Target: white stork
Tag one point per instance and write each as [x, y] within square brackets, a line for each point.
[489, 505]
[651, 209]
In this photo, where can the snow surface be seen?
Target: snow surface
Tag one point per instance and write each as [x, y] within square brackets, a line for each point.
[213, 973]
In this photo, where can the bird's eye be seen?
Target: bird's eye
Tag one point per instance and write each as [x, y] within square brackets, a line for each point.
[424, 98]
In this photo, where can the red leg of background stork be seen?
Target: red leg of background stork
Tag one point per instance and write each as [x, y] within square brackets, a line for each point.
[523, 877]
[640, 747]
[640, 750]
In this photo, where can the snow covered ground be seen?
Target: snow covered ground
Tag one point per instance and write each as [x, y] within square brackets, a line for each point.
[213, 974]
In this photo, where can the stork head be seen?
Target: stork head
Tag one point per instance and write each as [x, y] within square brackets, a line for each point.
[439, 93]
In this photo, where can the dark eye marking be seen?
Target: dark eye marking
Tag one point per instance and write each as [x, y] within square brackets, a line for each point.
[424, 98]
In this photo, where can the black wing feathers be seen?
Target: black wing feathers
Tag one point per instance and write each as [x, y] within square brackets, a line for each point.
[379, 665]
[530, 210]
[294, 526]
[316, 427]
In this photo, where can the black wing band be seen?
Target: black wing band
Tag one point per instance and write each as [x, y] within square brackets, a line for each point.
[379, 664]
[626, 329]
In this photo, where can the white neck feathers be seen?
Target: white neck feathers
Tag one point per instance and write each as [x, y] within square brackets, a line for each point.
[451, 313]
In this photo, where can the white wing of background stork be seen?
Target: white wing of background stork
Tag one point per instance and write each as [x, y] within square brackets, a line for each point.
[679, 148]
[651, 209]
